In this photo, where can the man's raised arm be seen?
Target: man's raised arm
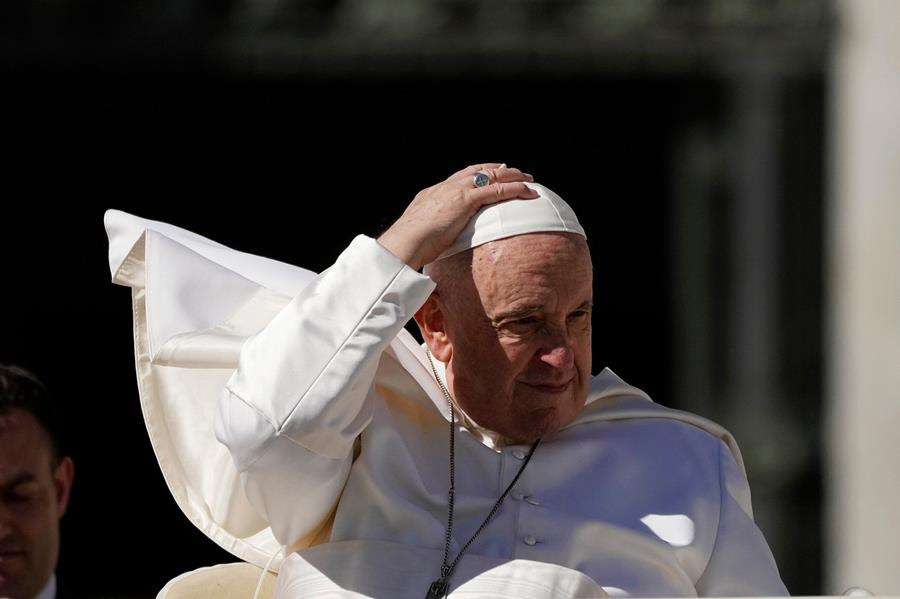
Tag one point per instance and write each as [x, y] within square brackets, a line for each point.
[302, 391]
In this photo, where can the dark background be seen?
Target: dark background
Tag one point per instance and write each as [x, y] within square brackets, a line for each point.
[284, 156]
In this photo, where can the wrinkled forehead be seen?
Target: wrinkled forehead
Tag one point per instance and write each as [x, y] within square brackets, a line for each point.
[534, 269]
[544, 253]
[550, 271]
[547, 213]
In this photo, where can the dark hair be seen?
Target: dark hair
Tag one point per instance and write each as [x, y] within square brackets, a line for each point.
[21, 389]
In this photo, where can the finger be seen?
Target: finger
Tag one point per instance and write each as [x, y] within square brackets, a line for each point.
[500, 192]
[501, 174]
[470, 171]
[507, 175]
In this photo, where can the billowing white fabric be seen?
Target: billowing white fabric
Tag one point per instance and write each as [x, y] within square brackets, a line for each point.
[631, 498]
[545, 213]
[194, 303]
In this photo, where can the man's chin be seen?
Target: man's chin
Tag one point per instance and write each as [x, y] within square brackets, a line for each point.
[10, 566]
[546, 420]
[541, 423]
[9, 585]
[12, 576]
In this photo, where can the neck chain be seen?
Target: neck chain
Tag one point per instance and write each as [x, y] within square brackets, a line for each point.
[440, 586]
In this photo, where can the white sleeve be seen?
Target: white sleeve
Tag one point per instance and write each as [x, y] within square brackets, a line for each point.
[741, 563]
[302, 391]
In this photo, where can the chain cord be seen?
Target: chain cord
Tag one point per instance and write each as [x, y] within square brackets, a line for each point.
[447, 570]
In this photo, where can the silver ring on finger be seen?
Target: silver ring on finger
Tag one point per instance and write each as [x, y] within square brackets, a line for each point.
[480, 179]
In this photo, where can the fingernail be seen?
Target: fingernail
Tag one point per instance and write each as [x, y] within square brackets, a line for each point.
[529, 177]
[503, 165]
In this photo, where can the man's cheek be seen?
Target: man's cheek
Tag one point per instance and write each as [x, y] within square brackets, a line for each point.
[28, 509]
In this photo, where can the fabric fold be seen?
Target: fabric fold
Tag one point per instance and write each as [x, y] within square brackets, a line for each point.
[195, 302]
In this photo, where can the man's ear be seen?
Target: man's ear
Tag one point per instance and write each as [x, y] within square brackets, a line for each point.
[431, 318]
[62, 482]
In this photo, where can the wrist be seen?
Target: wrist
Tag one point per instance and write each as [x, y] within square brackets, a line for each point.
[402, 247]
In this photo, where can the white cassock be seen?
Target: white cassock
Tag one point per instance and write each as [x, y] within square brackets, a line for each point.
[338, 439]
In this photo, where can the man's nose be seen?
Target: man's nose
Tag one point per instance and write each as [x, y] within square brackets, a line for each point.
[561, 357]
[557, 352]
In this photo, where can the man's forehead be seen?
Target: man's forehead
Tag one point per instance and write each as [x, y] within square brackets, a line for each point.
[13, 418]
[22, 440]
[533, 270]
[535, 253]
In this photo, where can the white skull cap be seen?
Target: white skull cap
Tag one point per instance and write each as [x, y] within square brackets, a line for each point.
[546, 213]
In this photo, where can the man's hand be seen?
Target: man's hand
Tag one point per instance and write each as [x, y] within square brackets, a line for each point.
[438, 214]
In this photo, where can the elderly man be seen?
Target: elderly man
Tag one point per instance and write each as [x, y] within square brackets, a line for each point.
[526, 476]
[35, 480]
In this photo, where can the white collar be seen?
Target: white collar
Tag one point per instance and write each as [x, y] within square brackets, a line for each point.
[49, 590]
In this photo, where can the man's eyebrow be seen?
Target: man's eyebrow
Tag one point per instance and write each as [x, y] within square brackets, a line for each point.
[524, 310]
[516, 312]
[585, 305]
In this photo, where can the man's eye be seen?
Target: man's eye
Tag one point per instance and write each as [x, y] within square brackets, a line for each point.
[21, 494]
[521, 326]
[580, 314]
[19, 498]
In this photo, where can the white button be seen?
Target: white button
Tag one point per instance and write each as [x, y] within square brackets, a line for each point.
[533, 500]
[530, 540]
[518, 496]
[519, 454]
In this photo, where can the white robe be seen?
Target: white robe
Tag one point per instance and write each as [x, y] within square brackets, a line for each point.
[631, 498]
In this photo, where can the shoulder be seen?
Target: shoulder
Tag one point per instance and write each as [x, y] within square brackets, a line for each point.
[612, 400]
[659, 460]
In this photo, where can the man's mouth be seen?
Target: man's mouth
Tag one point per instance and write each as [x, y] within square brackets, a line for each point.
[549, 387]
